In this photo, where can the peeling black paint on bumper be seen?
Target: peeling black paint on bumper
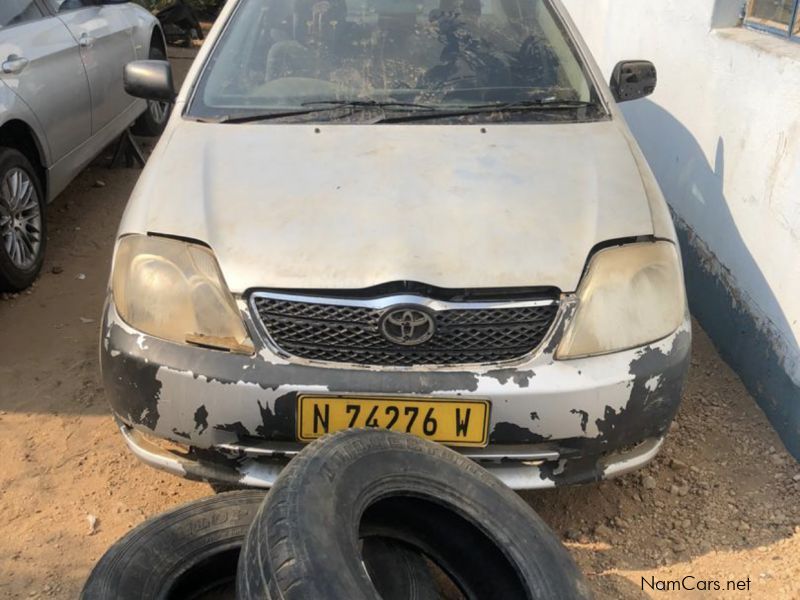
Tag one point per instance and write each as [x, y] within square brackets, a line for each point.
[586, 410]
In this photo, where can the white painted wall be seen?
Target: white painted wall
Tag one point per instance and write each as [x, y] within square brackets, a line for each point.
[722, 134]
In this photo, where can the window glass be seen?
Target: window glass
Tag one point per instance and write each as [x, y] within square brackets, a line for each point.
[777, 13]
[285, 54]
[13, 12]
[62, 5]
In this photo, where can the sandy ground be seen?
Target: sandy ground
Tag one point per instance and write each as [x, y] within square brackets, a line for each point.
[719, 504]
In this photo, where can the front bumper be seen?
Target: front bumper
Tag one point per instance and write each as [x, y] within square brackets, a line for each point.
[552, 422]
[257, 472]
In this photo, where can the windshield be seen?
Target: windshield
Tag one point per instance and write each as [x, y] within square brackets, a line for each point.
[393, 55]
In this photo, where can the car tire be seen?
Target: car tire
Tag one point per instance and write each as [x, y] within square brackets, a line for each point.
[151, 122]
[398, 571]
[192, 552]
[183, 553]
[23, 227]
[362, 483]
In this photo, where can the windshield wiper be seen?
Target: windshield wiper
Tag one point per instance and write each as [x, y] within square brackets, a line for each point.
[266, 116]
[496, 107]
[369, 104]
[322, 106]
[421, 111]
[547, 104]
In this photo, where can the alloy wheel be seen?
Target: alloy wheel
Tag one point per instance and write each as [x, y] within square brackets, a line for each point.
[158, 110]
[20, 218]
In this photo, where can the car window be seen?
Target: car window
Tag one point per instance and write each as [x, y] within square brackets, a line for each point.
[63, 5]
[284, 54]
[13, 12]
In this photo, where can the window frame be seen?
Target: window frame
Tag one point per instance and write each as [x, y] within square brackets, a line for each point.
[773, 27]
[45, 14]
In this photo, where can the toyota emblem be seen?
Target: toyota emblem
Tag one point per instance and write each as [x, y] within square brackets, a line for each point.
[407, 326]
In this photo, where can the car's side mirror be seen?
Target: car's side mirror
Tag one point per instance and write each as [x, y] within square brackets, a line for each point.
[150, 79]
[633, 79]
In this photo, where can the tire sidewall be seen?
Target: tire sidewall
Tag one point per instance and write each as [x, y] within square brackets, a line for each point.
[149, 559]
[341, 481]
[13, 278]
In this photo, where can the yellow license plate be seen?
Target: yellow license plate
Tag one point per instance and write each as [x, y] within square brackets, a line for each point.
[451, 422]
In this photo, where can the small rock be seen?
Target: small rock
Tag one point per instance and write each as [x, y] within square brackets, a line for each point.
[796, 477]
[649, 482]
[573, 535]
[86, 320]
[776, 459]
[603, 531]
[81, 276]
[679, 491]
[93, 522]
[99, 183]
[678, 465]
[57, 270]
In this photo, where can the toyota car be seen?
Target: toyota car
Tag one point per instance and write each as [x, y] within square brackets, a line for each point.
[427, 216]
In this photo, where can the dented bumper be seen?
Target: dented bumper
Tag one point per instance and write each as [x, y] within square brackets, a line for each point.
[552, 422]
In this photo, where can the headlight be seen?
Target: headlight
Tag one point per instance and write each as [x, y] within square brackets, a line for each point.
[631, 295]
[174, 290]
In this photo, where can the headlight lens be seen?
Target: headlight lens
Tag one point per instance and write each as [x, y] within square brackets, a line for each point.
[174, 290]
[631, 295]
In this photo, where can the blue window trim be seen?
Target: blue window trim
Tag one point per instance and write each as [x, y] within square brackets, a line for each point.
[785, 33]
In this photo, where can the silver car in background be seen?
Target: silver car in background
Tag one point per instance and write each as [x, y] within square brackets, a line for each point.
[62, 101]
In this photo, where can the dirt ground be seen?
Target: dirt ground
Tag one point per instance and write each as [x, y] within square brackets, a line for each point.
[719, 504]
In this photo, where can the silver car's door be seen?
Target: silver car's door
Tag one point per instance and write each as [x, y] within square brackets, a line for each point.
[40, 61]
[105, 36]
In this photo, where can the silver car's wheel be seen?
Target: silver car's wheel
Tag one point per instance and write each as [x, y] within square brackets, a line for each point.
[20, 219]
[158, 111]
[23, 227]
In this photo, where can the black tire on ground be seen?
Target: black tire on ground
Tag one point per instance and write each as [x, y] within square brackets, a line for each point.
[23, 235]
[152, 121]
[191, 552]
[356, 484]
[188, 552]
[398, 571]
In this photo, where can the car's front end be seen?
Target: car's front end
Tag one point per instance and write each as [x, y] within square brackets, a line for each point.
[506, 282]
[235, 415]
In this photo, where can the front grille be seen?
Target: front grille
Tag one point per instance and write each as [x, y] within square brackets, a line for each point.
[352, 333]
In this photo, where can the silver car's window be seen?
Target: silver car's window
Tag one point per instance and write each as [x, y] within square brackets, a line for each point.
[64, 5]
[285, 54]
[13, 12]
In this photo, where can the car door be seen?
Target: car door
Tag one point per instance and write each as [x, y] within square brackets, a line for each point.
[105, 36]
[41, 63]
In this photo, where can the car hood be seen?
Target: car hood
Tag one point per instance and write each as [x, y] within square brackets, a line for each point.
[352, 206]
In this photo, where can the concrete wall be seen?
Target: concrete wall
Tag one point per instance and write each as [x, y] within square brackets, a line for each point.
[722, 134]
